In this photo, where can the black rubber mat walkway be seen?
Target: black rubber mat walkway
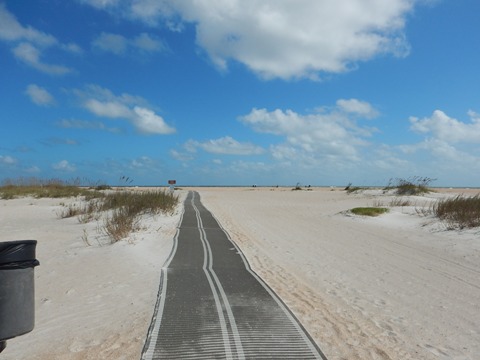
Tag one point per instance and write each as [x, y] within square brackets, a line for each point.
[211, 305]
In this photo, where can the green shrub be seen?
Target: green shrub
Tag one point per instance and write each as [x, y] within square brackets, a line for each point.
[369, 211]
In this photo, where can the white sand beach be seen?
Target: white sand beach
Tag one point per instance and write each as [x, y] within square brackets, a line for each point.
[397, 286]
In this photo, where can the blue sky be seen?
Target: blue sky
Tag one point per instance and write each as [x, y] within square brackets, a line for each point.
[240, 92]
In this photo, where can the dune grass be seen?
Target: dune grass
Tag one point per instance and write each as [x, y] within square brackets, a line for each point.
[120, 209]
[415, 185]
[459, 212]
[38, 188]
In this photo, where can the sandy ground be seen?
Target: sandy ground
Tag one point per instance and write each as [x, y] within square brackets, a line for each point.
[92, 301]
[398, 286]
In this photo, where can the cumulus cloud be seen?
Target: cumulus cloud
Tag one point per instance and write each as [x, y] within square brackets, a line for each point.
[334, 133]
[361, 108]
[292, 39]
[448, 144]
[148, 122]
[102, 102]
[118, 44]
[110, 109]
[442, 127]
[225, 145]
[39, 95]
[282, 39]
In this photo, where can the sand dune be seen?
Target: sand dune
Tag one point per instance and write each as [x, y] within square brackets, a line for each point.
[396, 286]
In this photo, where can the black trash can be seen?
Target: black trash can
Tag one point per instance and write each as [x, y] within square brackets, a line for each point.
[17, 290]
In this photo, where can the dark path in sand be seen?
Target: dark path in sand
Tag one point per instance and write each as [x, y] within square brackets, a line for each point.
[211, 305]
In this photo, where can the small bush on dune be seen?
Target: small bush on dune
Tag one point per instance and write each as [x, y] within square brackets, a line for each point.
[369, 211]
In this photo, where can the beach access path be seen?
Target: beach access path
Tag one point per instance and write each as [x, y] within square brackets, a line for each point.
[211, 305]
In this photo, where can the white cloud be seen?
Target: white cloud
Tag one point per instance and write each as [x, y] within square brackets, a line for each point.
[33, 169]
[106, 95]
[7, 160]
[225, 145]
[113, 43]
[118, 44]
[141, 162]
[101, 4]
[72, 48]
[30, 55]
[449, 146]
[448, 129]
[361, 108]
[334, 134]
[83, 124]
[30, 43]
[181, 156]
[102, 102]
[12, 30]
[284, 39]
[442, 152]
[39, 95]
[64, 165]
[149, 11]
[147, 43]
[109, 109]
[148, 122]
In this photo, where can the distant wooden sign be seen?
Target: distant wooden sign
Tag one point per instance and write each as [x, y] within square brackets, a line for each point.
[172, 182]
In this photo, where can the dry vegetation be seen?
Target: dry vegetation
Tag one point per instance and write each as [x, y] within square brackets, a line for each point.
[120, 209]
[416, 185]
[459, 212]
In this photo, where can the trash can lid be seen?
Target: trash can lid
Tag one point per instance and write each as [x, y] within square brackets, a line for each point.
[20, 250]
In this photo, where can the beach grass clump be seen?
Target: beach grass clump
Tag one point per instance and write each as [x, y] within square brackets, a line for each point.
[459, 212]
[398, 201]
[369, 211]
[120, 224]
[353, 189]
[415, 185]
[126, 208]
